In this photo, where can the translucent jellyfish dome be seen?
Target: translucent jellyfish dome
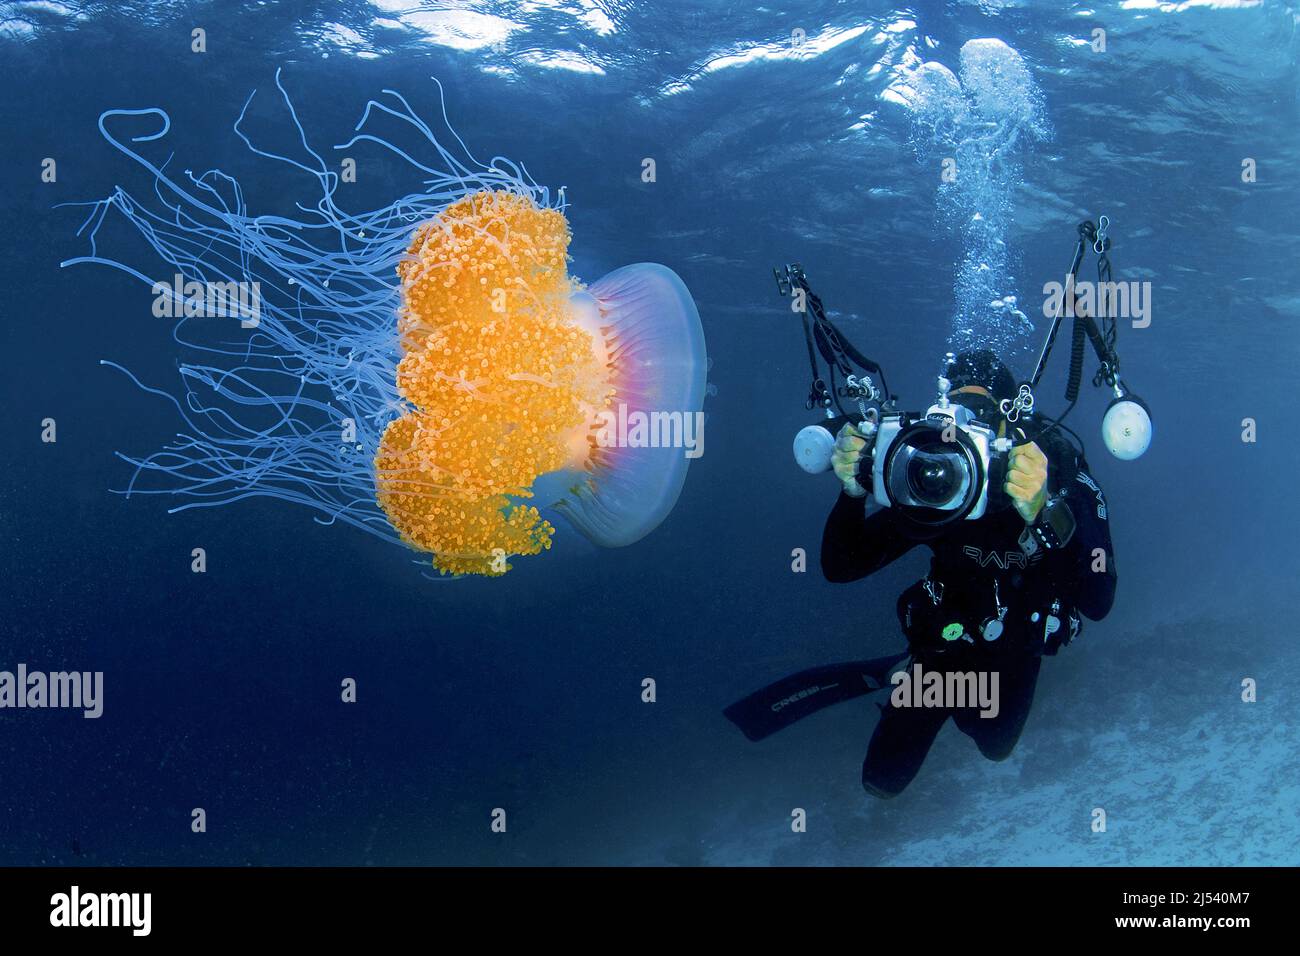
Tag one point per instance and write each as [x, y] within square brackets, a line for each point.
[429, 371]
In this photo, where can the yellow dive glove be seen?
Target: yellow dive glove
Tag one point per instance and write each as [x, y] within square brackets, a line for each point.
[850, 444]
[1026, 479]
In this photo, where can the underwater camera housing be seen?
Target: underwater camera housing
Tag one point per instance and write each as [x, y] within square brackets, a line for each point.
[937, 467]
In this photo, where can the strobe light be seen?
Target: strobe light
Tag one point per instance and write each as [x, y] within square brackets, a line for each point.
[1126, 427]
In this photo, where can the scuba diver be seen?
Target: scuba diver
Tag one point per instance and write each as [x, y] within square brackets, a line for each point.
[1016, 524]
[996, 597]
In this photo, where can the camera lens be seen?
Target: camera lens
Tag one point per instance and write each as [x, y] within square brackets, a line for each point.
[933, 481]
[935, 474]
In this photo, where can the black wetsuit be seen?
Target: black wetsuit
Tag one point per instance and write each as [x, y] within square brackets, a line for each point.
[977, 572]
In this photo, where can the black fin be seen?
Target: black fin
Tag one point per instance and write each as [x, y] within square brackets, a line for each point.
[793, 698]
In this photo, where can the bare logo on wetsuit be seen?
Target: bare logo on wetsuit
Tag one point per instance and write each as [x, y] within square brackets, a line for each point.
[1002, 559]
[1101, 500]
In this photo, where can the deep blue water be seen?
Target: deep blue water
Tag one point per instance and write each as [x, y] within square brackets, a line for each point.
[221, 689]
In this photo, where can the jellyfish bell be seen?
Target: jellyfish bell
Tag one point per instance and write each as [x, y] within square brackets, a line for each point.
[621, 485]
[525, 389]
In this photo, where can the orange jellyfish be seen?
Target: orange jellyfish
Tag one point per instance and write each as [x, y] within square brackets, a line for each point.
[428, 372]
[515, 372]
